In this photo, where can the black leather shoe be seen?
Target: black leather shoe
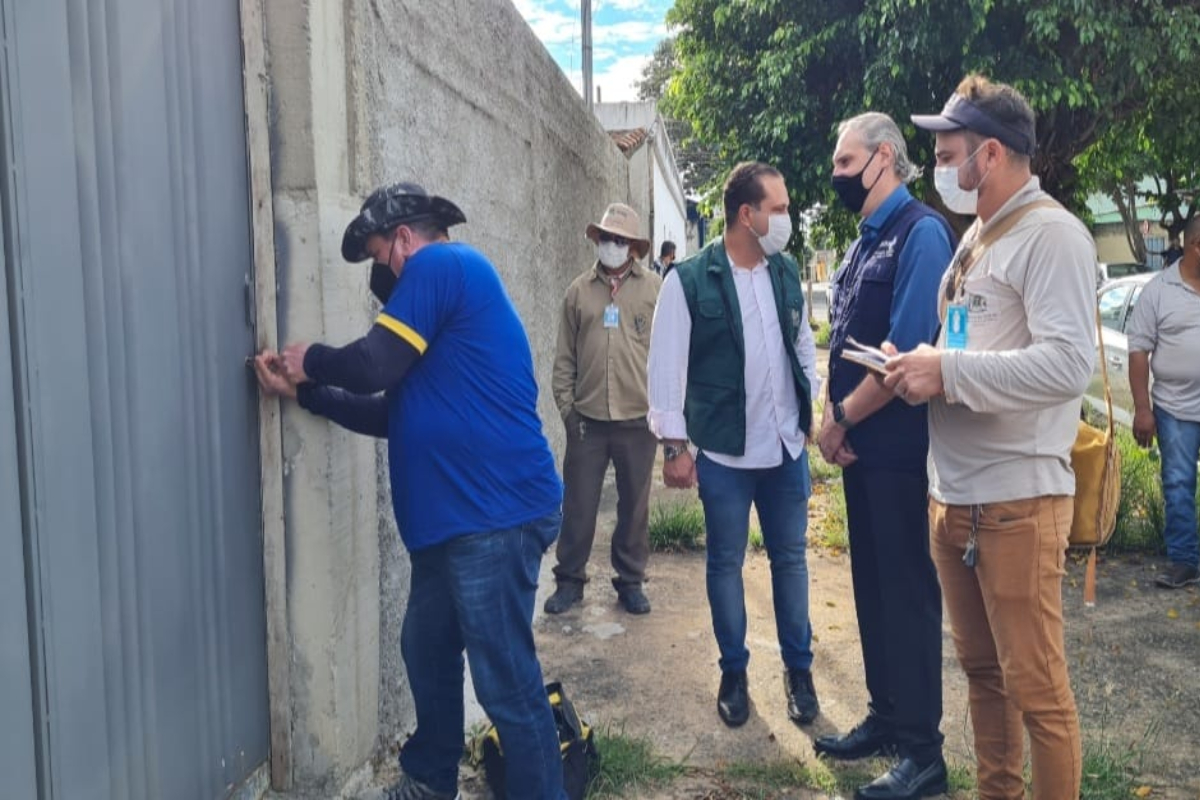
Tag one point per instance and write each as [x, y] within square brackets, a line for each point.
[871, 737]
[566, 595]
[803, 707]
[733, 698]
[906, 781]
[633, 599]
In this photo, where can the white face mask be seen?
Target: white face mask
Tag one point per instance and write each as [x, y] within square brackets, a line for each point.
[779, 231]
[612, 255]
[957, 199]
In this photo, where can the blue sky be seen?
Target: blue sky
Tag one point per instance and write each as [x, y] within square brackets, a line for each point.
[624, 33]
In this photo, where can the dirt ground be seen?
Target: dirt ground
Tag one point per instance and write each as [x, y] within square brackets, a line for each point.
[1134, 657]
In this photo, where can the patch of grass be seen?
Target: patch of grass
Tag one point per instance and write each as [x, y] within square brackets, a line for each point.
[1111, 769]
[676, 527]
[755, 540]
[821, 470]
[1141, 514]
[628, 764]
[821, 334]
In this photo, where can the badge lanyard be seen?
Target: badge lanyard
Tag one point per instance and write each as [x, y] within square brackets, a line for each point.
[612, 314]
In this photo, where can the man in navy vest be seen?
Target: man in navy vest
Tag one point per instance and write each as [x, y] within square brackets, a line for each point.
[886, 290]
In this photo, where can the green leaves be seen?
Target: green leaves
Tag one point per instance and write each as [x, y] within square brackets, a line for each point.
[770, 79]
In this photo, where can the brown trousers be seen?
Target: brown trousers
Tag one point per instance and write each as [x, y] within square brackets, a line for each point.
[1007, 622]
[591, 446]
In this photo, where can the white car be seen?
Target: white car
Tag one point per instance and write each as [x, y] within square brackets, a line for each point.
[1117, 299]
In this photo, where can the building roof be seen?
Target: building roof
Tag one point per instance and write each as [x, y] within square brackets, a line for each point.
[629, 141]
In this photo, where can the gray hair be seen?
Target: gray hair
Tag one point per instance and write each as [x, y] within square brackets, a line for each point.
[876, 129]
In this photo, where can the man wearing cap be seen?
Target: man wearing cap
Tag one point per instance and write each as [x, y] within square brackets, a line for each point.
[600, 387]
[886, 290]
[733, 371]
[446, 375]
[1004, 386]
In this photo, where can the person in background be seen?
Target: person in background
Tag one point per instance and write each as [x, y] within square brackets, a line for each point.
[599, 384]
[666, 259]
[1164, 338]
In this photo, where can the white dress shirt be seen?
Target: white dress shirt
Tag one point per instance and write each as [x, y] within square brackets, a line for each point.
[772, 409]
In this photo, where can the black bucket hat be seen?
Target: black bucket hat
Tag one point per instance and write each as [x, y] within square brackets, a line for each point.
[394, 205]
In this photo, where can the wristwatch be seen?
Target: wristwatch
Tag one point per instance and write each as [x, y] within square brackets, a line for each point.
[673, 451]
[839, 416]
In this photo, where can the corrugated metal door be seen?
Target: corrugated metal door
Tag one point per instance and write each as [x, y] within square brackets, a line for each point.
[128, 255]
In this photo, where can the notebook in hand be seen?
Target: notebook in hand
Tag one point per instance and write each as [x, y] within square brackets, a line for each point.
[872, 358]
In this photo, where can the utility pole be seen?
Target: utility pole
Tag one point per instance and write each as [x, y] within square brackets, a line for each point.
[585, 7]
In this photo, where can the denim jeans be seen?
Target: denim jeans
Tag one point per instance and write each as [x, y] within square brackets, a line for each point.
[476, 593]
[780, 494]
[1179, 443]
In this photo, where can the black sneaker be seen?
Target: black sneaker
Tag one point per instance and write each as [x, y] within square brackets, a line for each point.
[733, 698]
[1179, 576]
[567, 594]
[803, 707]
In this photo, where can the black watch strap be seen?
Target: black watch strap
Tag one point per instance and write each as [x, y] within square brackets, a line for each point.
[839, 416]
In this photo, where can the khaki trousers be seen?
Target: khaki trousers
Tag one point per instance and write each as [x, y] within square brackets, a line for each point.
[1007, 622]
[591, 446]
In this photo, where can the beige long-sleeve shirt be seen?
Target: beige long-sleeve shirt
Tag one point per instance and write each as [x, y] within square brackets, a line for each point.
[1005, 427]
[599, 369]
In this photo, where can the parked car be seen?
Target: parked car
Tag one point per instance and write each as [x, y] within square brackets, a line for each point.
[1116, 298]
[1106, 272]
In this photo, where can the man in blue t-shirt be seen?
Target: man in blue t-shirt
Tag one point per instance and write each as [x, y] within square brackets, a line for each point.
[446, 374]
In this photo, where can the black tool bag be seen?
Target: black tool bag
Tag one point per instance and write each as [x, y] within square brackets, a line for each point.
[580, 759]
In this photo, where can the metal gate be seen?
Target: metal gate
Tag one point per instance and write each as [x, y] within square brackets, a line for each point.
[132, 646]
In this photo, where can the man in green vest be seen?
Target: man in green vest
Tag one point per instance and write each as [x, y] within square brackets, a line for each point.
[733, 371]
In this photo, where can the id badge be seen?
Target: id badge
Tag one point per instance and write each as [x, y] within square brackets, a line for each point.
[957, 321]
[612, 316]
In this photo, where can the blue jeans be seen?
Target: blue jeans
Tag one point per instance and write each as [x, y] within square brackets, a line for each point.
[780, 494]
[1179, 443]
[476, 593]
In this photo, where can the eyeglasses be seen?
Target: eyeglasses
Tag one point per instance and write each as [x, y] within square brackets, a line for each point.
[620, 241]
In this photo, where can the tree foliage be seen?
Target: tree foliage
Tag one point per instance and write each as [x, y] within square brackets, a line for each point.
[697, 162]
[770, 79]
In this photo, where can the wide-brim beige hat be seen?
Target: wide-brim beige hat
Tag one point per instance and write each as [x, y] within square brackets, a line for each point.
[621, 220]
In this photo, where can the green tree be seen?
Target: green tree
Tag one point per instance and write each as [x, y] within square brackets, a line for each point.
[770, 79]
[1151, 157]
[697, 162]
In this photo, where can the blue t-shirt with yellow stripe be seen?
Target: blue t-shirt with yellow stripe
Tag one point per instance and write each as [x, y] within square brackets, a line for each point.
[466, 449]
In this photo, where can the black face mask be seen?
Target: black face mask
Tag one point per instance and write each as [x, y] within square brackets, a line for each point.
[383, 280]
[850, 189]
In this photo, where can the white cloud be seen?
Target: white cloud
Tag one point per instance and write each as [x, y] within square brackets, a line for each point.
[620, 5]
[629, 32]
[551, 27]
[616, 81]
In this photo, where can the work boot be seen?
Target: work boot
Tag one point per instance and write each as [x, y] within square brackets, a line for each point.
[566, 594]
[633, 599]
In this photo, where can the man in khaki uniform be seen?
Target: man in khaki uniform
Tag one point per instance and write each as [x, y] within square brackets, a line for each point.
[600, 388]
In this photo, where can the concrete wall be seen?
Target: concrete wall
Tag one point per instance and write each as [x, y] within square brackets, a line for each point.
[462, 98]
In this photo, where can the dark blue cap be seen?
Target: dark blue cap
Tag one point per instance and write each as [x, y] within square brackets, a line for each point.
[960, 113]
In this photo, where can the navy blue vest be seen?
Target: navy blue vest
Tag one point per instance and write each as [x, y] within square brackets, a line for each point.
[897, 435]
